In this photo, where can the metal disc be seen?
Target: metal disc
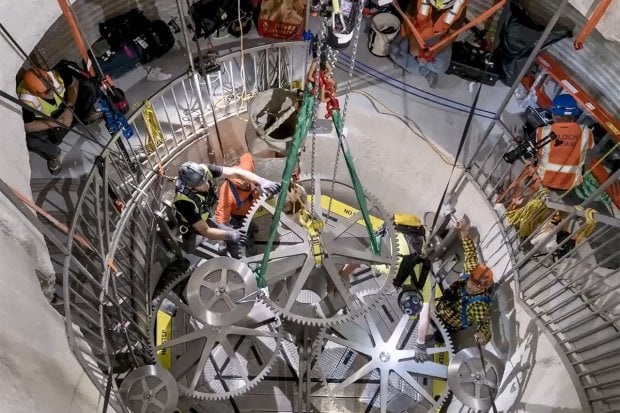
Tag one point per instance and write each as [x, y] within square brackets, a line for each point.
[222, 291]
[150, 389]
[470, 383]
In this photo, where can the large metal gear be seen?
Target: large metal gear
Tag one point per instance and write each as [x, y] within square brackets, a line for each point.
[472, 384]
[150, 389]
[319, 296]
[222, 291]
[370, 362]
[215, 362]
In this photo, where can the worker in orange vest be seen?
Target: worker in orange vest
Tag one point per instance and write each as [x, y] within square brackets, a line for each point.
[560, 162]
[433, 19]
[236, 196]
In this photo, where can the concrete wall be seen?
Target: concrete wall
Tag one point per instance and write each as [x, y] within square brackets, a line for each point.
[38, 372]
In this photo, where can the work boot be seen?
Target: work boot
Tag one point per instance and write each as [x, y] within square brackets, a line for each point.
[431, 79]
[54, 165]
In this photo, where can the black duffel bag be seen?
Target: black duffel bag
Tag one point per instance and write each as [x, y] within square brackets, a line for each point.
[153, 38]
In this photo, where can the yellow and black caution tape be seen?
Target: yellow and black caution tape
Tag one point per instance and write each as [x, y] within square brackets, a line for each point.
[155, 136]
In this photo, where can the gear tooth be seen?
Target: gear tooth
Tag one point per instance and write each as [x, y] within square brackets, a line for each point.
[195, 394]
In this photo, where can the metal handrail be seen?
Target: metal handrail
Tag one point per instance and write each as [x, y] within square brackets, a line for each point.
[90, 279]
[91, 271]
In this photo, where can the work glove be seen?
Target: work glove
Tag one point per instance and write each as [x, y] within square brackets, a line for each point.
[480, 338]
[268, 187]
[420, 353]
[236, 236]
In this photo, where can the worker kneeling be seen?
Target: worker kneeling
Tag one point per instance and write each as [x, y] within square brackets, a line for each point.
[58, 95]
[195, 198]
[236, 196]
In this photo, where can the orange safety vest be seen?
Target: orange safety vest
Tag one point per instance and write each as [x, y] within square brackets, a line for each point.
[560, 166]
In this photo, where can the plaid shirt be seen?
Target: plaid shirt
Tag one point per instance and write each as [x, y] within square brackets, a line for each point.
[477, 312]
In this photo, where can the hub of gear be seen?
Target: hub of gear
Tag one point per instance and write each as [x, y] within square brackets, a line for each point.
[150, 389]
[472, 384]
[222, 290]
[317, 295]
[215, 362]
[372, 359]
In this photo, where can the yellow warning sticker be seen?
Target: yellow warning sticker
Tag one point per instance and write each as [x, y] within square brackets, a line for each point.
[345, 211]
[164, 331]
[612, 128]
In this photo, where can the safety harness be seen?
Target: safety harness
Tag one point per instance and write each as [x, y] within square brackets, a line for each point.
[467, 300]
[203, 203]
[235, 193]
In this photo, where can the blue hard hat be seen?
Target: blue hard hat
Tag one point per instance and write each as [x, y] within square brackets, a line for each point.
[565, 105]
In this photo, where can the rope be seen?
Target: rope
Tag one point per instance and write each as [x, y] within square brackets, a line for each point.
[155, 135]
[470, 117]
[527, 218]
[588, 228]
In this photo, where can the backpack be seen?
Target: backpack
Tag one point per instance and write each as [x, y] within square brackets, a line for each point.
[133, 30]
[210, 16]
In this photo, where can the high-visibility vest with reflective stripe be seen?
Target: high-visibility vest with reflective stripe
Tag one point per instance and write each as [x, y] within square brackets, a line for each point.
[560, 166]
[200, 205]
[41, 104]
[429, 29]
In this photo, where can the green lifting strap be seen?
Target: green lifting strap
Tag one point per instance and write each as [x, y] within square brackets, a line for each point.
[304, 117]
[357, 185]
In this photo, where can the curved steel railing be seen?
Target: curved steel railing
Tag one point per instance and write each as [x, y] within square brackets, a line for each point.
[107, 279]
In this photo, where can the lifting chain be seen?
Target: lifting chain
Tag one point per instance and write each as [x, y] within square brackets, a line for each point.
[358, 26]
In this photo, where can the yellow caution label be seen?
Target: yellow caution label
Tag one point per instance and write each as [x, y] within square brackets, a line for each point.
[164, 331]
[439, 385]
[612, 128]
[345, 211]
[338, 208]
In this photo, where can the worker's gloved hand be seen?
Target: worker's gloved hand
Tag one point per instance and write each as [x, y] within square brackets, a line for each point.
[480, 338]
[450, 295]
[236, 236]
[420, 353]
[268, 187]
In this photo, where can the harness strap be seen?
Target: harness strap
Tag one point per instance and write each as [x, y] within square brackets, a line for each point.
[466, 301]
[235, 193]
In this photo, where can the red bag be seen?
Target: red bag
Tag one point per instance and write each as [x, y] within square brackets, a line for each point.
[282, 19]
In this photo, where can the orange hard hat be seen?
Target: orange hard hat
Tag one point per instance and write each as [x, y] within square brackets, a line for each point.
[482, 276]
[37, 81]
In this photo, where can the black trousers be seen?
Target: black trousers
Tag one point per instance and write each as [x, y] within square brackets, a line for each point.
[46, 143]
[406, 270]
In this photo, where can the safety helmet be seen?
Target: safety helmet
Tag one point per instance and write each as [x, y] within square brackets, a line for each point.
[37, 81]
[442, 4]
[482, 276]
[193, 174]
[565, 105]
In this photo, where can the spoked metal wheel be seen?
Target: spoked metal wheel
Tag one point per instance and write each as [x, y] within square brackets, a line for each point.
[314, 293]
[372, 360]
[209, 361]
[150, 389]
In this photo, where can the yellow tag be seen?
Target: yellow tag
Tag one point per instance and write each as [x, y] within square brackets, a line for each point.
[612, 128]
[345, 211]
[164, 331]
